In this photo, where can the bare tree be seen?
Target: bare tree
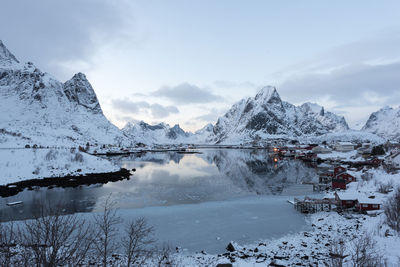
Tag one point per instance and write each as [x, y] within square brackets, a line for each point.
[392, 211]
[365, 253]
[106, 224]
[7, 244]
[137, 242]
[54, 239]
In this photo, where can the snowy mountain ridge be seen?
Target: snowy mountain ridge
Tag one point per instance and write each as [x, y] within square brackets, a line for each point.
[35, 108]
[160, 133]
[385, 123]
[266, 115]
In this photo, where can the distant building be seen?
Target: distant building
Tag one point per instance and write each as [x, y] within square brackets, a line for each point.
[344, 146]
[393, 159]
[321, 150]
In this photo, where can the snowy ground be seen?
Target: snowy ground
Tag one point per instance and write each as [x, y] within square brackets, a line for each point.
[312, 248]
[24, 164]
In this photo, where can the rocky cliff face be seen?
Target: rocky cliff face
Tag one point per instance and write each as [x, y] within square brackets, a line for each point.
[37, 108]
[266, 115]
[385, 123]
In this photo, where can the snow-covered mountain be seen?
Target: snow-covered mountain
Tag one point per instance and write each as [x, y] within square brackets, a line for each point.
[35, 108]
[160, 133]
[385, 123]
[266, 115]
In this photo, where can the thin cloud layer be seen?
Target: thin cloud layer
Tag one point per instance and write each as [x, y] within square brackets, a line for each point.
[186, 93]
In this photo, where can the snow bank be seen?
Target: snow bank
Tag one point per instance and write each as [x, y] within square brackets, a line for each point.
[23, 164]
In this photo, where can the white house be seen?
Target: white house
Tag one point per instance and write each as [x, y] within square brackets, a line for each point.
[393, 159]
[344, 146]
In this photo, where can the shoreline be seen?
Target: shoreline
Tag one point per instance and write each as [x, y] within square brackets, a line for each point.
[12, 189]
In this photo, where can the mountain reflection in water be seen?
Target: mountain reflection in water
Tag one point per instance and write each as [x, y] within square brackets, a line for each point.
[170, 178]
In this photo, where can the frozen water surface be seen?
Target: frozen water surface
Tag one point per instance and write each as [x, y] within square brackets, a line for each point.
[195, 201]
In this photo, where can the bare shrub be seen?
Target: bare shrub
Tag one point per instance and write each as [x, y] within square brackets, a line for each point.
[164, 257]
[51, 155]
[137, 242]
[365, 253]
[106, 231]
[385, 188]
[78, 157]
[337, 253]
[392, 211]
[54, 239]
[7, 244]
[367, 176]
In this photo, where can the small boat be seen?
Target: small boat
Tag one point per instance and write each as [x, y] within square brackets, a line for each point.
[14, 203]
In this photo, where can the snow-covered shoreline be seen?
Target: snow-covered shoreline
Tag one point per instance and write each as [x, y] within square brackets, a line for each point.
[26, 164]
[313, 248]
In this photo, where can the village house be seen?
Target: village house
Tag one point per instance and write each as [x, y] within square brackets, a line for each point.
[345, 200]
[338, 170]
[393, 159]
[339, 183]
[366, 204]
[365, 150]
[344, 146]
[347, 177]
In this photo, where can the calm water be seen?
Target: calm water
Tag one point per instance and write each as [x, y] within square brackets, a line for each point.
[198, 201]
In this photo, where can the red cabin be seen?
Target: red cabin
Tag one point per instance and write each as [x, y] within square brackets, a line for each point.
[346, 200]
[365, 204]
[347, 177]
[338, 184]
[339, 170]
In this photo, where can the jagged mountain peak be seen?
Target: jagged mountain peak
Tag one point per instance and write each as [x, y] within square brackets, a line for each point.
[6, 57]
[79, 90]
[267, 115]
[43, 110]
[268, 94]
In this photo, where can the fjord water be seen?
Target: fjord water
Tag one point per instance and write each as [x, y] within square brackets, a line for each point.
[196, 201]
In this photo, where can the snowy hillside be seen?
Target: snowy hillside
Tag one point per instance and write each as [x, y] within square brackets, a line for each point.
[35, 108]
[266, 115]
[385, 123]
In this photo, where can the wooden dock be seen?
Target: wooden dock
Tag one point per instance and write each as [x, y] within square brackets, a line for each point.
[312, 205]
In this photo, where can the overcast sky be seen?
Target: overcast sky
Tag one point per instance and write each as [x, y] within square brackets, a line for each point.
[187, 62]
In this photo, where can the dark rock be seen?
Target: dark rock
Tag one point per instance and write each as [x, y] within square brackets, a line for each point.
[230, 247]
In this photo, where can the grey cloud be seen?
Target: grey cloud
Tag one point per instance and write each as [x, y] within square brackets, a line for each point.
[156, 110]
[186, 93]
[353, 85]
[159, 111]
[129, 106]
[48, 32]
